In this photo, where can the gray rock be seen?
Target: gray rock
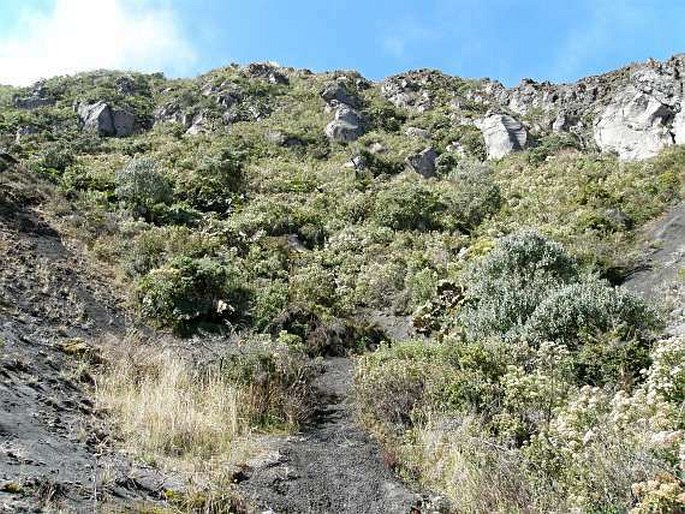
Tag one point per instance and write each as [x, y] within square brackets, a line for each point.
[503, 135]
[347, 125]
[266, 71]
[417, 133]
[409, 91]
[561, 123]
[105, 121]
[377, 148]
[423, 162]
[33, 102]
[197, 125]
[124, 122]
[337, 92]
[456, 148]
[679, 128]
[97, 118]
[278, 138]
[634, 126]
[24, 131]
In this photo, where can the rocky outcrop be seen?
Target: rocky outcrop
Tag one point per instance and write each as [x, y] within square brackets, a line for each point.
[423, 162]
[635, 125]
[105, 120]
[347, 125]
[266, 71]
[33, 102]
[503, 135]
[679, 128]
[338, 93]
[410, 91]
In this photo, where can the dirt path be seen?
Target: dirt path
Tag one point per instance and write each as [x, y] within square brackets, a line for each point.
[660, 277]
[333, 466]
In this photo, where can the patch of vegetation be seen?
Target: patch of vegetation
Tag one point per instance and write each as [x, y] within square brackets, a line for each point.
[538, 350]
[231, 211]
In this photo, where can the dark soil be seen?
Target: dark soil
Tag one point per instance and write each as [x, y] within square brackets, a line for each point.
[55, 451]
[660, 276]
[333, 466]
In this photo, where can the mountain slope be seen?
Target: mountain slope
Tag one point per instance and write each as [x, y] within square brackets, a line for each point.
[178, 255]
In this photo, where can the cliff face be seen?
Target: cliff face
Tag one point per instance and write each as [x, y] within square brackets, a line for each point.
[634, 112]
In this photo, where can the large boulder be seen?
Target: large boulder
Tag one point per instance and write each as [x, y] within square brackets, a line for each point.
[124, 123]
[347, 125]
[106, 121]
[634, 125]
[338, 93]
[423, 162]
[503, 135]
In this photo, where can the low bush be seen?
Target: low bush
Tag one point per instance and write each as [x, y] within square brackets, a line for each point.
[186, 291]
[141, 186]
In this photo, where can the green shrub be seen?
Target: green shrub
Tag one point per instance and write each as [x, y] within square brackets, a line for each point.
[141, 186]
[406, 204]
[187, 291]
[57, 159]
[580, 312]
[509, 283]
[269, 300]
[211, 185]
[155, 246]
[404, 385]
[469, 196]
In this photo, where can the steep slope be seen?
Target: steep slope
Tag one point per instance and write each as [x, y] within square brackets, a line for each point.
[278, 216]
[55, 449]
[660, 275]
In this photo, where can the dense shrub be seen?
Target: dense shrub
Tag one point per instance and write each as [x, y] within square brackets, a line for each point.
[512, 280]
[458, 204]
[212, 183]
[406, 204]
[580, 312]
[269, 300]
[469, 196]
[186, 291]
[141, 186]
[153, 247]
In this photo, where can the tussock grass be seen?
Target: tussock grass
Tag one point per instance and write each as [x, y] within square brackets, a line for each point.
[166, 407]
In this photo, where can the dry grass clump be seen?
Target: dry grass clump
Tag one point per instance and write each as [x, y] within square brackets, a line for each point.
[165, 406]
[169, 409]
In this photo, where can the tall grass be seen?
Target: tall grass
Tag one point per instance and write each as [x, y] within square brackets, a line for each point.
[164, 406]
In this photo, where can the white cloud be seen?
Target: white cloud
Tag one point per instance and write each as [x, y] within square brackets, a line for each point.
[403, 35]
[79, 35]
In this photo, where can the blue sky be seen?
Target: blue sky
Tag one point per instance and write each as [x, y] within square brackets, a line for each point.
[503, 39]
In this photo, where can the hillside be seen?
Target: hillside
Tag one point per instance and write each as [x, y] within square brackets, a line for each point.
[266, 289]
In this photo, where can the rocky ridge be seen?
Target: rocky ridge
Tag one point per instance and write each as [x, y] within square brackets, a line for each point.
[634, 112]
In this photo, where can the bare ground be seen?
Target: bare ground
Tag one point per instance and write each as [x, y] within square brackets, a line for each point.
[55, 449]
[333, 466]
[660, 275]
